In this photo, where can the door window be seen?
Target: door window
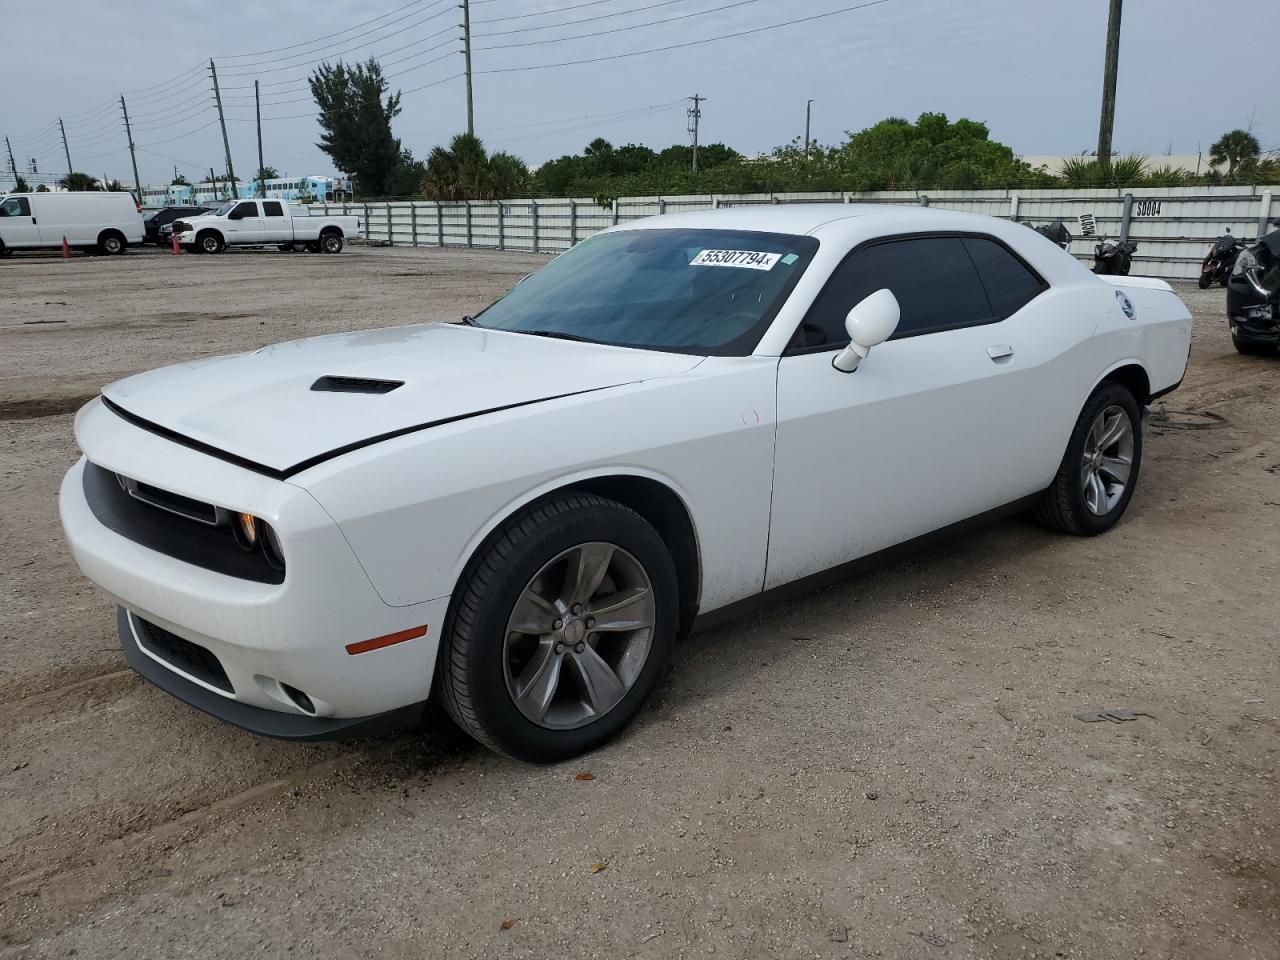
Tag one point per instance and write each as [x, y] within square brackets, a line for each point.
[244, 210]
[933, 278]
[15, 207]
[1010, 283]
[272, 209]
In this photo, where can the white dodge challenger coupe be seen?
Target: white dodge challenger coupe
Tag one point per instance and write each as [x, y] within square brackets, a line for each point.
[670, 422]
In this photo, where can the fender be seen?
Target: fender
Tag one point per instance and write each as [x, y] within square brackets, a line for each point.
[509, 509]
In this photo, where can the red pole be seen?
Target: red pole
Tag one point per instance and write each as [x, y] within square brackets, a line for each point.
[66, 248]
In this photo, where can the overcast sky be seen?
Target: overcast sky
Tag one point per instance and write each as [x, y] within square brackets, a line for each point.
[1030, 69]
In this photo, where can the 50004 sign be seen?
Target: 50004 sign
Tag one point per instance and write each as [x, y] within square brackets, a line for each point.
[1146, 208]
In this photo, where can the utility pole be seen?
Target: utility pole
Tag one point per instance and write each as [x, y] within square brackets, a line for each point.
[1107, 124]
[466, 52]
[257, 109]
[13, 166]
[695, 114]
[226, 144]
[132, 156]
[808, 113]
[65, 148]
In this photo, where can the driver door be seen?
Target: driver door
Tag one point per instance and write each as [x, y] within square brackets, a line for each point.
[928, 431]
[244, 225]
[18, 228]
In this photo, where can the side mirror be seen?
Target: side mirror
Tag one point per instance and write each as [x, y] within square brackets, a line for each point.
[869, 324]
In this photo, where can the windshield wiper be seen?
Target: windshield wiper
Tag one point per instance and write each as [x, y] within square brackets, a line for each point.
[556, 335]
[468, 320]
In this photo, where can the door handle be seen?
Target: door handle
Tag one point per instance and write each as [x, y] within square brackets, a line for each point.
[1000, 352]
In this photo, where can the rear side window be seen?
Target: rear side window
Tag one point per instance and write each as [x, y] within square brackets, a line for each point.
[272, 208]
[933, 278]
[1010, 283]
[15, 207]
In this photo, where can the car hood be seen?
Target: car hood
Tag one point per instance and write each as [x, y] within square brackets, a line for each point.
[267, 410]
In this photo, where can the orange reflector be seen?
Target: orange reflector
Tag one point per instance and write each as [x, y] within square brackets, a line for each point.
[377, 643]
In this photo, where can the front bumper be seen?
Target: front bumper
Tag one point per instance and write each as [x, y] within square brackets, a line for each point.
[264, 723]
[266, 637]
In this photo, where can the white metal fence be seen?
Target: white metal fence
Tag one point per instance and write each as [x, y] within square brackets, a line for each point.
[1173, 227]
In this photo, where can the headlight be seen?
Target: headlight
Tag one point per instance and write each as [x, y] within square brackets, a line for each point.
[254, 533]
[1244, 262]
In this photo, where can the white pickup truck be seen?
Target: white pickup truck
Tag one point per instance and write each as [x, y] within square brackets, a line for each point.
[257, 223]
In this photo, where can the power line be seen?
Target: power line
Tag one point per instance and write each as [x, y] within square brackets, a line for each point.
[689, 43]
[307, 43]
[634, 26]
[570, 23]
[543, 13]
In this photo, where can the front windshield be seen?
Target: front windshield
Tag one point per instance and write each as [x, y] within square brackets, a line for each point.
[681, 290]
[226, 208]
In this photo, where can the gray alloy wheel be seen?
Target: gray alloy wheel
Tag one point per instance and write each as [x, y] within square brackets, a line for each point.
[579, 636]
[1107, 460]
[111, 244]
[210, 243]
[331, 243]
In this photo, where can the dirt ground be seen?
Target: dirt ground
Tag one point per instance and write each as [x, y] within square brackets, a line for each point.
[889, 768]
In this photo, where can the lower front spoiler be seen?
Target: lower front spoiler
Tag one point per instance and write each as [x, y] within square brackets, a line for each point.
[257, 720]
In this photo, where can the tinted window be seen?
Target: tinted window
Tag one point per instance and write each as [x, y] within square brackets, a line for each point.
[933, 278]
[683, 290]
[15, 207]
[246, 210]
[1008, 281]
[272, 209]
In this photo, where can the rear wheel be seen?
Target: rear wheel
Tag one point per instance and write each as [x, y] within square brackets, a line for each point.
[331, 243]
[1098, 472]
[110, 243]
[560, 629]
[313, 246]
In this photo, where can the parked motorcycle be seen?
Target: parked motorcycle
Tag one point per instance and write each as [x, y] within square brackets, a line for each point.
[1056, 232]
[1253, 296]
[1219, 261]
[1114, 257]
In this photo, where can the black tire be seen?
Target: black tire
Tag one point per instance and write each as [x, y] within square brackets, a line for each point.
[331, 242]
[1062, 506]
[1249, 346]
[285, 248]
[1206, 279]
[313, 246]
[210, 241]
[471, 673]
[111, 243]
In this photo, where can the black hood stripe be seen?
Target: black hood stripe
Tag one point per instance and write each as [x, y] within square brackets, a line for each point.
[297, 468]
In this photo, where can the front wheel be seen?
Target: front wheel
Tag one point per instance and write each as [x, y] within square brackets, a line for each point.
[331, 243]
[560, 628]
[1098, 472]
[1250, 347]
[210, 242]
[1206, 279]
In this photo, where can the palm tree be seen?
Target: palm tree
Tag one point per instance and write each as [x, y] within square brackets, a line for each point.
[465, 171]
[1234, 148]
[79, 181]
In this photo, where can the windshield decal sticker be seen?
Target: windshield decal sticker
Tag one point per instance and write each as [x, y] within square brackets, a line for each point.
[743, 259]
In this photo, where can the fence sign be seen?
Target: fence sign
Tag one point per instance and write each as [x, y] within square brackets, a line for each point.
[1088, 226]
[1146, 208]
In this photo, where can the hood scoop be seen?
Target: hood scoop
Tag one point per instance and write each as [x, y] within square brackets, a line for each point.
[332, 384]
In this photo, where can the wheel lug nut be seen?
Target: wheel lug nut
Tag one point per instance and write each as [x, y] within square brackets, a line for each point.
[558, 625]
[577, 608]
[579, 648]
[591, 622]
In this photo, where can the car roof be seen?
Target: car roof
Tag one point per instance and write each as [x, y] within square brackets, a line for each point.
[796, 218]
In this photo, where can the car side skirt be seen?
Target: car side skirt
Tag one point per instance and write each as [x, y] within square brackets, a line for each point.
[857, 567]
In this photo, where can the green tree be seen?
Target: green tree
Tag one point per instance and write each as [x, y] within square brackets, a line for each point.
[355, 120]
[465, 171]
[20, 185]
[1234, 148]
[179, 181]
[79, 181]
[267, 173]
[114, 186]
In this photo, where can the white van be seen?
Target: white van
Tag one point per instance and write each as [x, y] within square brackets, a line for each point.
[90, 221]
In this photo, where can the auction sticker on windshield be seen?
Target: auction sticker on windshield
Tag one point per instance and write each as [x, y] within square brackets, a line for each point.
[748, 259]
